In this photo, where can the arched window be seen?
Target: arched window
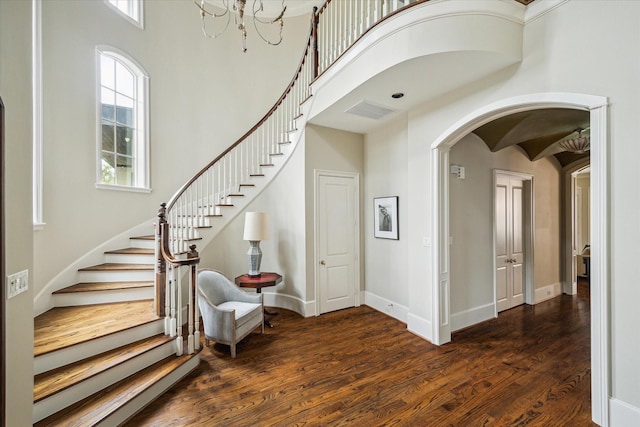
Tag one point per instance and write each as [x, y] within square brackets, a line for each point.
[123, 149]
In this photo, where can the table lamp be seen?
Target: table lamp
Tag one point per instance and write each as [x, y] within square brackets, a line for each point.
[255, 230]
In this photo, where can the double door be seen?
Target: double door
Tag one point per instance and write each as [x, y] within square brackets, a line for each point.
[509, 218]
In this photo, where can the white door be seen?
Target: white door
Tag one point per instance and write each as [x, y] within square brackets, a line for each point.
[337, 240]
[509, 217]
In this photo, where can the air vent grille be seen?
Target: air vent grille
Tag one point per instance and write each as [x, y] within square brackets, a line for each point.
[369, 110]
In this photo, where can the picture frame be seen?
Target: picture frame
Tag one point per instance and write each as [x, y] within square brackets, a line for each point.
[385, 217]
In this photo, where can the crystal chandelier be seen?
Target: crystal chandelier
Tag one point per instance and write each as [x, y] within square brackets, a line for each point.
[237, 8]
[580, 144]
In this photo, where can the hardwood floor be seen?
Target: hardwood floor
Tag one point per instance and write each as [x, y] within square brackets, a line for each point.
[530, 366]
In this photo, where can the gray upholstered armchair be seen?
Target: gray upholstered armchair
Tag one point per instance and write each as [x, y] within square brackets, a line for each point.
[228, 313]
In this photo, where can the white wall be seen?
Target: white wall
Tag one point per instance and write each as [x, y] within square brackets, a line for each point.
[284, 251]
[333, 150]
[204, 94]
[15, 90]
[385, 155]
[598, 59]
[471, 220]
[289, 202]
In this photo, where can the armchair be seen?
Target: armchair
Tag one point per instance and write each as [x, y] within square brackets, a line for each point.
[228, 313]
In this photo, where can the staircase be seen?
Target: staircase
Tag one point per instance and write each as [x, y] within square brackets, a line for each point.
[101, 354]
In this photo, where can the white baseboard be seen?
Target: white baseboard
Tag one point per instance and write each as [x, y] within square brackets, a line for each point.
[288, 302]
[622, 414]
[420, 327]
[548, 292]
[472, 316]
[388, 307]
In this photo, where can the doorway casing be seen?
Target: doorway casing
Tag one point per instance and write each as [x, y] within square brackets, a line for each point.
[598, 108]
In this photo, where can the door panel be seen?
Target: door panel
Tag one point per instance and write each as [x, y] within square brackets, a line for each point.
[336, 232]
[509, 229]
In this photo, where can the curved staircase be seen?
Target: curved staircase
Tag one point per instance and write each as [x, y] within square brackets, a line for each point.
[102, 353]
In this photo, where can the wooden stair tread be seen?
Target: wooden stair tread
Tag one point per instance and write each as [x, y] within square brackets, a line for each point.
[149, 237]
[132, 251]
[112, 266]
[97, 407]
[63, 327]
[49, 383]
[247, 185]
[102, 286]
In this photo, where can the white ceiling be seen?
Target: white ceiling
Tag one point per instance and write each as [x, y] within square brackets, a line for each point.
[421, 80]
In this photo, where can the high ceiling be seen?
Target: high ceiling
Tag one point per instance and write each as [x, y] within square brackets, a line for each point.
[537, 133]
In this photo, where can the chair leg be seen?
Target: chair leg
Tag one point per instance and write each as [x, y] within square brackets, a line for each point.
[262, 326]
[233, 350]
[206, 342]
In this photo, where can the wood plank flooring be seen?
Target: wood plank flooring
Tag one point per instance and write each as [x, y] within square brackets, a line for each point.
[358, 367]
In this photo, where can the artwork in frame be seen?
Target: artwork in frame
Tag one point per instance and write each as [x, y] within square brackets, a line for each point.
[385, 217]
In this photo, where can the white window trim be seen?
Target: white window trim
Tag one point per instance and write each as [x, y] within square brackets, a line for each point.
[142, 152]
[36, 76]
[140, 5]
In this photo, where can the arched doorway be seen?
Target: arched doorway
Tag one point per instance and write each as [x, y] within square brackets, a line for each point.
[597, 107]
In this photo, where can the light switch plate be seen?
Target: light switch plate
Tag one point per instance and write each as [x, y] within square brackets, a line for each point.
[17, 283]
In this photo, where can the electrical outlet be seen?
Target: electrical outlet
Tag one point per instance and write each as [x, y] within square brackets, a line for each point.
[17, 283]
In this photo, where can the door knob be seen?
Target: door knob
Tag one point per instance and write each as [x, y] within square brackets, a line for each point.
[322, 262]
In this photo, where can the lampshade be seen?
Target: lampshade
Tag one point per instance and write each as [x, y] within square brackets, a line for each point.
[256, 227]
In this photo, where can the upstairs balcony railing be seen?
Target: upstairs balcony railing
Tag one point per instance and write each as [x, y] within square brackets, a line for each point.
[335, 27]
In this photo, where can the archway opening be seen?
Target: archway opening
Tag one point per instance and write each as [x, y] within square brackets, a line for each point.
[599, 233]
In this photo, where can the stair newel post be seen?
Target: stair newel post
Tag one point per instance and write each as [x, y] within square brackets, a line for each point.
[161, 266]
[193, 341]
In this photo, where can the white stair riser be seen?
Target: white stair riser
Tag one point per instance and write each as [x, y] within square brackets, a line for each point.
[116, 276]
[143, 243]
[129, 259]
[132, 407]
[69, 396]
[102, 297]
[65, 356]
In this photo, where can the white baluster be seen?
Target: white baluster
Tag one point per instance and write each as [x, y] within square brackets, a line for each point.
[179, 343]
[190, 343]
[167, 302]
[196, 309]
[172, 325]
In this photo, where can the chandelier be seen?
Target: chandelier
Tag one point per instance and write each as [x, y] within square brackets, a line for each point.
[237, 8]
[580, 144]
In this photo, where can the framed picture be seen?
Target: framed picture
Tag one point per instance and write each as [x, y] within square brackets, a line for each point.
[385, 217]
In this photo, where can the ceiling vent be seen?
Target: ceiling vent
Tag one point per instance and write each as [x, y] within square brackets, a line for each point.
[369, 110]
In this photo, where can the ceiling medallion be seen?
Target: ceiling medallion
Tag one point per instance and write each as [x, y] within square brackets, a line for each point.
[580, 144]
